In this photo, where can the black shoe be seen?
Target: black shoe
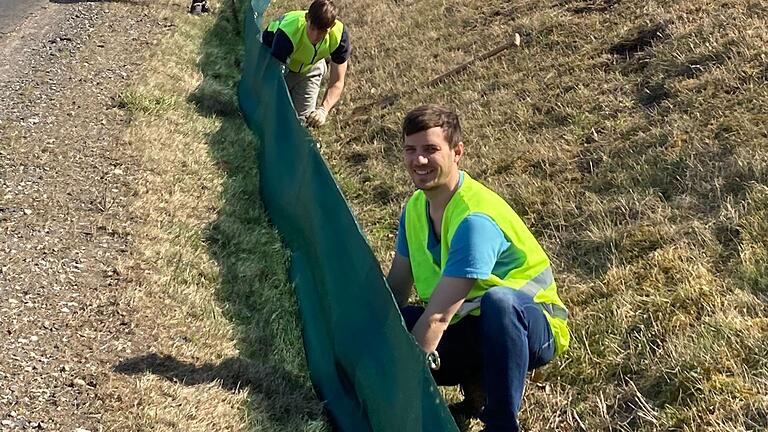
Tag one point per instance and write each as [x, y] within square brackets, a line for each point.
[463, 412]
[199, 7]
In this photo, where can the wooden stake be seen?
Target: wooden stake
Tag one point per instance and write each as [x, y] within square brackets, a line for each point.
[390, 99]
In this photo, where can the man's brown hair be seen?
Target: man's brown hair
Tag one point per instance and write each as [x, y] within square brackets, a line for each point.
[426, 117]
[322, 14]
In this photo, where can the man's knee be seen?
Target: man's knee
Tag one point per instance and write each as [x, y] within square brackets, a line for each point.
[504, 300]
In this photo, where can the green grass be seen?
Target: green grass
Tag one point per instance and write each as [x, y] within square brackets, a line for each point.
[139, 102]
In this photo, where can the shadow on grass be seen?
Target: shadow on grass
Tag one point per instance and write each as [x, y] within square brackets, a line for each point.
[253, 289]
[233, 374]
[254, 286]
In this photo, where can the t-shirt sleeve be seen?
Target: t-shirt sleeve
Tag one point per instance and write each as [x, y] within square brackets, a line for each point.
[475, 247]
[282, 47]
[402, 242]
[341, 53]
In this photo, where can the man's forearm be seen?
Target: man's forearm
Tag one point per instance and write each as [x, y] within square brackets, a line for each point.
[428, 331]
[401, 290]
[400, 279]
[446, 300]
[332, 95]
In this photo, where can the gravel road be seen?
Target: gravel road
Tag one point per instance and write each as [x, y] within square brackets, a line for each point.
[66, 183]
[14, 12]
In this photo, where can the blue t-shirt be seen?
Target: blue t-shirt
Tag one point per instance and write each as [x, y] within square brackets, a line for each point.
[477, 250]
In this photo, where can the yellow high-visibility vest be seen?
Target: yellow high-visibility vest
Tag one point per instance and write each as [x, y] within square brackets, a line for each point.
[533, 276]
[305, 55]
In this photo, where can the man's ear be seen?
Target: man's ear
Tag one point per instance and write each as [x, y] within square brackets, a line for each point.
[458, 151]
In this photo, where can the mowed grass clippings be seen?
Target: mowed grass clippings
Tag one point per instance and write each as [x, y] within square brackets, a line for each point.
[227, 352]
[632, 137]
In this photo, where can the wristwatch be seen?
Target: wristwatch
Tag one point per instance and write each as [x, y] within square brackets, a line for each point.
[433, 360]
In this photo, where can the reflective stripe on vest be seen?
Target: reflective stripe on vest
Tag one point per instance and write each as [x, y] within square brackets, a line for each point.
[532, 287]
[305, 55]
[541, 282]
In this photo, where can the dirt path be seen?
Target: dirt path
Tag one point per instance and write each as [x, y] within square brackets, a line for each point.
[66, 182]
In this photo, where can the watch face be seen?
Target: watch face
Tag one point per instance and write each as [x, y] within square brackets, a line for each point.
[433, 360]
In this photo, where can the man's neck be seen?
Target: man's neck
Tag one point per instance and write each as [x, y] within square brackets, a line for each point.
[439, 197]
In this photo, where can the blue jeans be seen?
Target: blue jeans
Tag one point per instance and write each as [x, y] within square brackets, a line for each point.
[509, 338]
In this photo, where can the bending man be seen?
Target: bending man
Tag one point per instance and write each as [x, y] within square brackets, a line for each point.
[492, 310]
[302, 40]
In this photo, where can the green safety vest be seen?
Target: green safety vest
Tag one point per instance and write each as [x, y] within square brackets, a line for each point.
[305, 55]
[533, 276]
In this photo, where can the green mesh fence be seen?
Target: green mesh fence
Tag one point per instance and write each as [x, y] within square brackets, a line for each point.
[364, 364]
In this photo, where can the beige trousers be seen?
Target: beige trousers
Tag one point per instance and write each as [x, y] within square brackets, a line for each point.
[304, 89]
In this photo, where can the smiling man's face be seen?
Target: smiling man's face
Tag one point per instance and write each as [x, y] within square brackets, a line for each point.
[430, 160]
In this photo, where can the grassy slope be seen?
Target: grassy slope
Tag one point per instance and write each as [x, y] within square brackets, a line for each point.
[632, 137]
[643, 173]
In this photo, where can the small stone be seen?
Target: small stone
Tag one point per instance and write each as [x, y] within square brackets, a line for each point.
[81, 430]
[27, 211]
[8, 423]
[78, 382]
[182, 340]
[33, 338]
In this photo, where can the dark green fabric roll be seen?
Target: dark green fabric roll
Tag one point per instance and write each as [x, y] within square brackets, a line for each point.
[365, 366]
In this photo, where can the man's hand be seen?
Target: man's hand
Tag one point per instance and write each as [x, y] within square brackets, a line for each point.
[317, 117]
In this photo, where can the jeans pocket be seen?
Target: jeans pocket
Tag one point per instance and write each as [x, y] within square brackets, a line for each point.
[543, 355]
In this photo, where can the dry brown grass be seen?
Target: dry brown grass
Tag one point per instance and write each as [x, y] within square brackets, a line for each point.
[629, 135]
[227, 353]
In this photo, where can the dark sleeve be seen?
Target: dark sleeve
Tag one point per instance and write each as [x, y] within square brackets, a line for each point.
[282, 47]
[341, 53]
[267, 37]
